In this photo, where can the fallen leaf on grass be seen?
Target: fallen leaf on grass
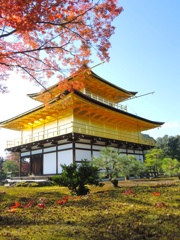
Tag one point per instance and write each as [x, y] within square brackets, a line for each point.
[41, 205]
[29, 204]
[160, 205]
[17, 204]
[63, 200]
[157, 194]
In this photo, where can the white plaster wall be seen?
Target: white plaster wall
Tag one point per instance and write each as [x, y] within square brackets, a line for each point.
[83, 154]
[96, 153]
[49, 163]
[140, 157]
[64, 157]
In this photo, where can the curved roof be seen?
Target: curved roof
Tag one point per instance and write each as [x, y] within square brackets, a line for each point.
[93, 83]
[81, 105]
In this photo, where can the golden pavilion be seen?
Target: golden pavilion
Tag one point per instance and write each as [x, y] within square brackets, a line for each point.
[76, 125]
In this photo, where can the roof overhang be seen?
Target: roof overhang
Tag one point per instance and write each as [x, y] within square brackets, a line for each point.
[92, 82]
[79, 104]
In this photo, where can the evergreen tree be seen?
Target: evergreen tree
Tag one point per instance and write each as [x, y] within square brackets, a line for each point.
[77, 177]
[171, 167]
[153, 159]
[116, 164]
[170, 145]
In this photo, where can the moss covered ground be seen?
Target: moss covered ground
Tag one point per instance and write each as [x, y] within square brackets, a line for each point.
[137, 209]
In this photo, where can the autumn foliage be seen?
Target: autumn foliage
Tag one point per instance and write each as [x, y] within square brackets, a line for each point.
[40, 38]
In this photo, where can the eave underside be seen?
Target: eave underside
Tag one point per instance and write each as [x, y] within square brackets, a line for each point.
[77, 103]
[89, 108]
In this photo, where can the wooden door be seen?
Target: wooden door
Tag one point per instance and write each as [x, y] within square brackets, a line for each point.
[37, 164]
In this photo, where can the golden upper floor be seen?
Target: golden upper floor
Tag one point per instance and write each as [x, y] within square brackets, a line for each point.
[86, 81]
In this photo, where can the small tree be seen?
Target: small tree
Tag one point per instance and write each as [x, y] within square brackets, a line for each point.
[116, 164]
[107, 161]
[2, 174]
[10, 166]
[129, 165]
[76, 177]
[171, 167]
[154, 159]
[1, 163]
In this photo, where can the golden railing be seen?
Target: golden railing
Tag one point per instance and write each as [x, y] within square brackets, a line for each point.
[82, 129]
[105, 101]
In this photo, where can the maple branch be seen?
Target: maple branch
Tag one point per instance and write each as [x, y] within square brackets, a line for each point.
[17, 65]
[3, 29]
[50, 40]
[40, 60]
[25, 69]
[43, 48]
[77, 34]
[8, 34]
[86, 41]
[37, 36]
[72, 20]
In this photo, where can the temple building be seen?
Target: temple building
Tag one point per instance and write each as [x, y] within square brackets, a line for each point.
[76, 125]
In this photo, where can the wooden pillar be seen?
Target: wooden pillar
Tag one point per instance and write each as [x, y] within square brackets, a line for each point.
[56, 159]
[20, 165]
[74, 150]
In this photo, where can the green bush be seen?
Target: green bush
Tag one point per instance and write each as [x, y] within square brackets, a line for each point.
[2, 176]
[77, 177]
[56, 179]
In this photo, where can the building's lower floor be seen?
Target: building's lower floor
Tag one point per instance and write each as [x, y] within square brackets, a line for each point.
[45, 157]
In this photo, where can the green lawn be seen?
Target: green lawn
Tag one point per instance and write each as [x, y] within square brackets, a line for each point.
[142, 209]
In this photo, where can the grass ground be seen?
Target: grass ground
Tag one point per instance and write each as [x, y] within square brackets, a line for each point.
[141, 209]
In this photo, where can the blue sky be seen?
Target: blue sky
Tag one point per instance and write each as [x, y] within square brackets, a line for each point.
[144, 57]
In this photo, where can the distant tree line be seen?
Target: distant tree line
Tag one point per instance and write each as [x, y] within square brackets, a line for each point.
[165, 157]
[170, 146]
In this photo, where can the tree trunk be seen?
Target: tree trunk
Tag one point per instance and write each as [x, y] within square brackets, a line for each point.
[114, 182]
[126, 178]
